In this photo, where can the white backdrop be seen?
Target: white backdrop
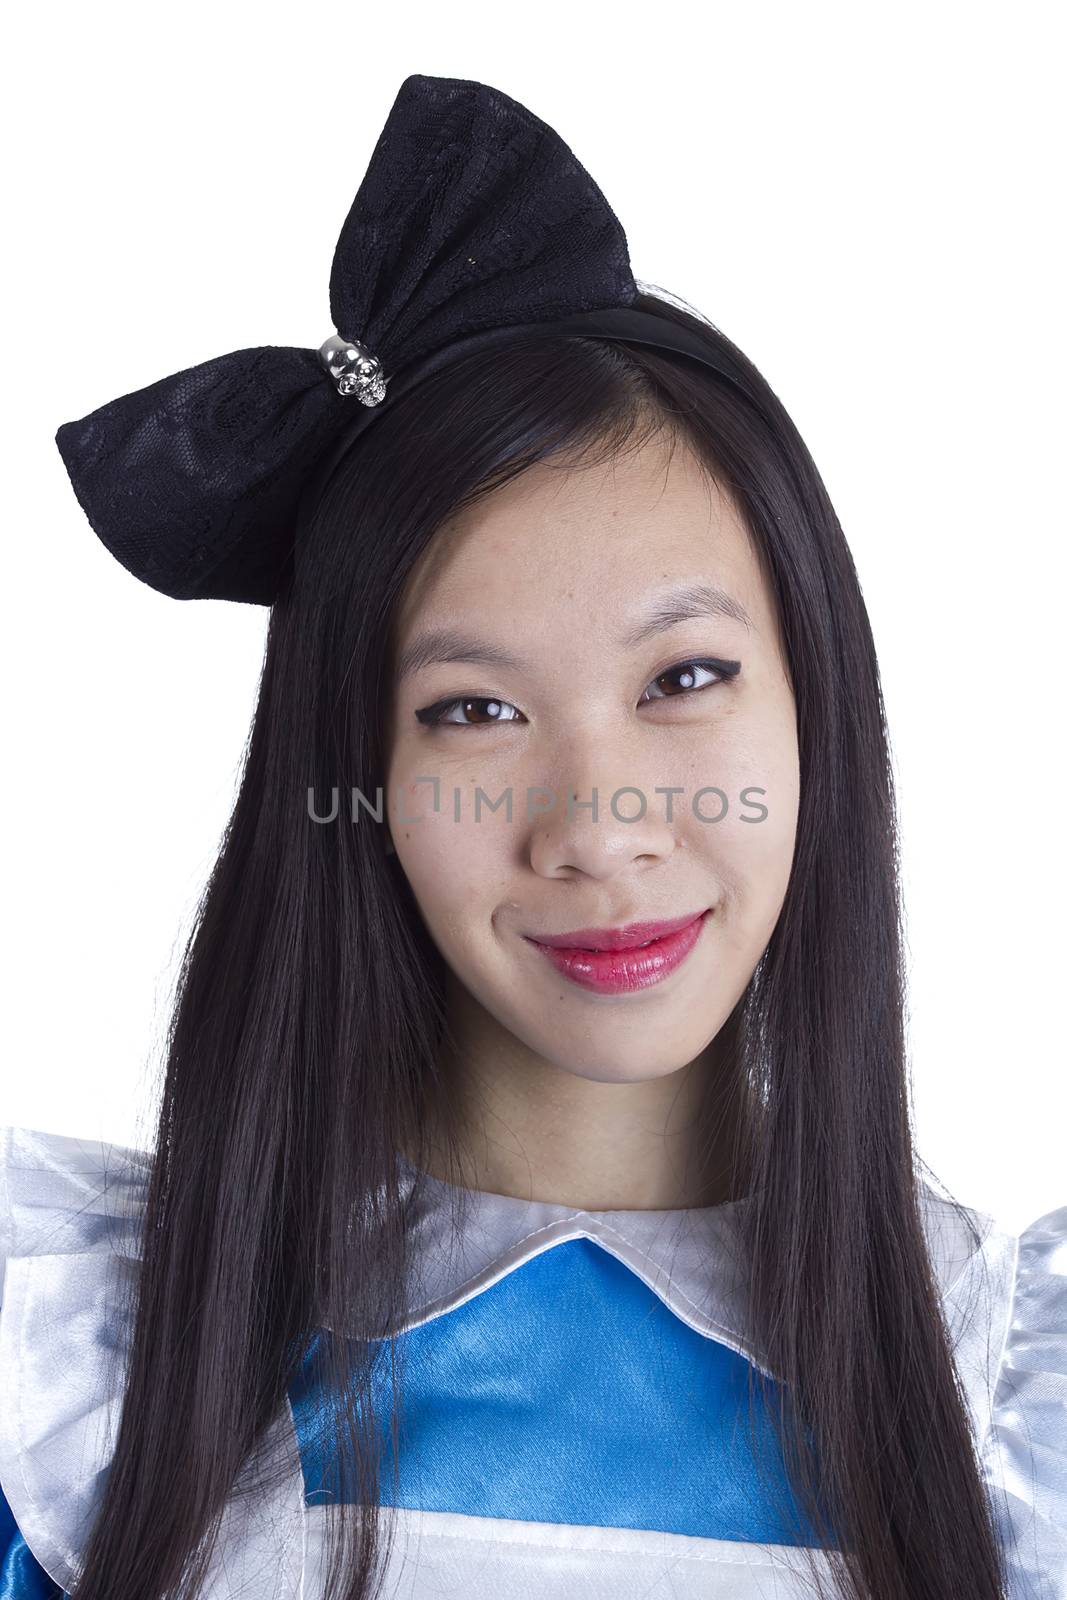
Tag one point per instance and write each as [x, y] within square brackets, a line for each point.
[865, 198]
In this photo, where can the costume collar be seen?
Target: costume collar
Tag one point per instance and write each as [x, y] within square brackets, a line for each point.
[465, 1240]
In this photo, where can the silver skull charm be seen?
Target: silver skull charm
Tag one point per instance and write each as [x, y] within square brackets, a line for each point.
[353, 369]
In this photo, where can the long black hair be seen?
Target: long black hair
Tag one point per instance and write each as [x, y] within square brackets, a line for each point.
[301, 1062]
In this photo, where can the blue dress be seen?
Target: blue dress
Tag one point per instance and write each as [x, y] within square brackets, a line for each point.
[573, 1384]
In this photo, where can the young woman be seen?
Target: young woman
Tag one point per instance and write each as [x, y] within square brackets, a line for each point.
[533, 1208]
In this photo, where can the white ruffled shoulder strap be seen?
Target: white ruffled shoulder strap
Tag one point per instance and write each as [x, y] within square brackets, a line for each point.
[70, 1215]
[71, 1212]
[1025, 1453]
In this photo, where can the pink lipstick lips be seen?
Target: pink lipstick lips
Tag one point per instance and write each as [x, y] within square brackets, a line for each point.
[619, 960]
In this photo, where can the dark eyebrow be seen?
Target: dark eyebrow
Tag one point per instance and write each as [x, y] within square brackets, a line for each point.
[695, 600]
[683, 605]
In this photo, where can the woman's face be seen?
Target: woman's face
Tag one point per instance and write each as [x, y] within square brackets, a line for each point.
[573, 674]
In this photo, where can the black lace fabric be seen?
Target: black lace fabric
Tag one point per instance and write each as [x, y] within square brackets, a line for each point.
[473, 215]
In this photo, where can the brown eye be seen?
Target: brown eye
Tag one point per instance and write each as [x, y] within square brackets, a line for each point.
[441, 715]
[690, 677]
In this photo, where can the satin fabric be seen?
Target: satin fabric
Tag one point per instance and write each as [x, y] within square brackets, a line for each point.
[21, 1575]
[511, 1411]
[69, 1216]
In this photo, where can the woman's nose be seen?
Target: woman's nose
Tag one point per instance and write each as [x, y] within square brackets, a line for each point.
[601, 829]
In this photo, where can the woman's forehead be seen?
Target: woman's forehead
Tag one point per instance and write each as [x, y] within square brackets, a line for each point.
[623, 533]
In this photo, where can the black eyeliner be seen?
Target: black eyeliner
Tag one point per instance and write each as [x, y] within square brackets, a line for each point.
[428, 715]
[439, 707]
